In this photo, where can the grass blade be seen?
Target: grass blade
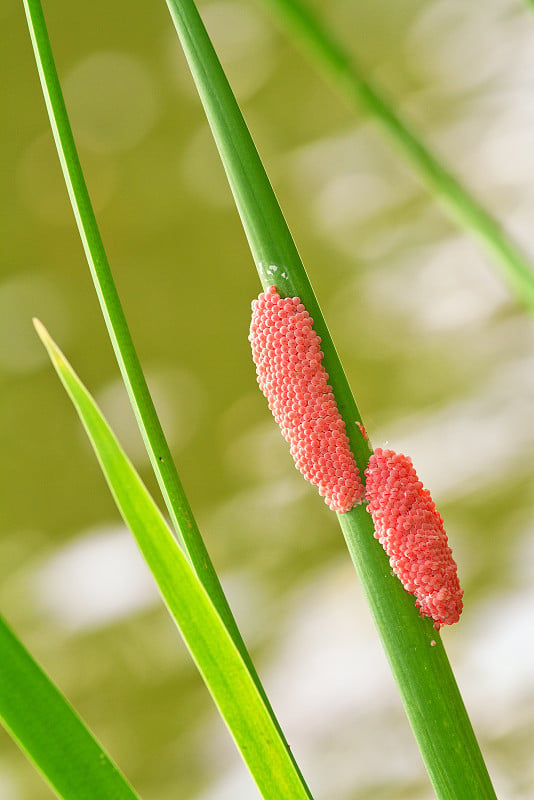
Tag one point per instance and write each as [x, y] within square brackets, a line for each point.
[175, 499]
[427, 685]
[348, 77]
[218, 659]
[160, 456]
[49, 731]
[275, 253]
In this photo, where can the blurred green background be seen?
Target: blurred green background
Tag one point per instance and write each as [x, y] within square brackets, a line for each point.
[439, 354]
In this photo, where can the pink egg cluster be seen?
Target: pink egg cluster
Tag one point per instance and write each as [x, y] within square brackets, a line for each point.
[411, 532]
[288, 358]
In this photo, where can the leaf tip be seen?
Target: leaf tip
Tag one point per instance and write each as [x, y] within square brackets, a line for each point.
[42, 333]
[53, 350]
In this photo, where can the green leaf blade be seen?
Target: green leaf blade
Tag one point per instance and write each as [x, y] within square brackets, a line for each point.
[398, 622]
[349, 78]
[217, 657]
[162, 462]
[265, 227]
[419, 663]
[48, 730]
[156, 444]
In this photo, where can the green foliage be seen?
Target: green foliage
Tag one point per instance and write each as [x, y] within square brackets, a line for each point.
[50, 732]
[218, 660]
[441, 725]
[134, 380]
[348, 77]
[187, 580]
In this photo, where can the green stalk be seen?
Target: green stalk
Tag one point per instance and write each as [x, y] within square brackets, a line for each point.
[163, 465]
[418, 660]
[221, 665]
[348, 77]
[422, 671]
[274, 251]
[50, 732]
[174, 496]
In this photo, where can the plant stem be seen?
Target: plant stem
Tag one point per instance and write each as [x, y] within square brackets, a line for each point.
[425, 679]
[274, 251]
[428, 689]
[174, 496]
[349, 78]
[52, 735]
[222, 667]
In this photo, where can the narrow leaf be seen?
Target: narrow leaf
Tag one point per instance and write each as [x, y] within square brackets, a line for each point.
[219, 661]
[348, 77]
[162, 462]
[275, 254]
[154, 438]
[49, 731]
[426, 682]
